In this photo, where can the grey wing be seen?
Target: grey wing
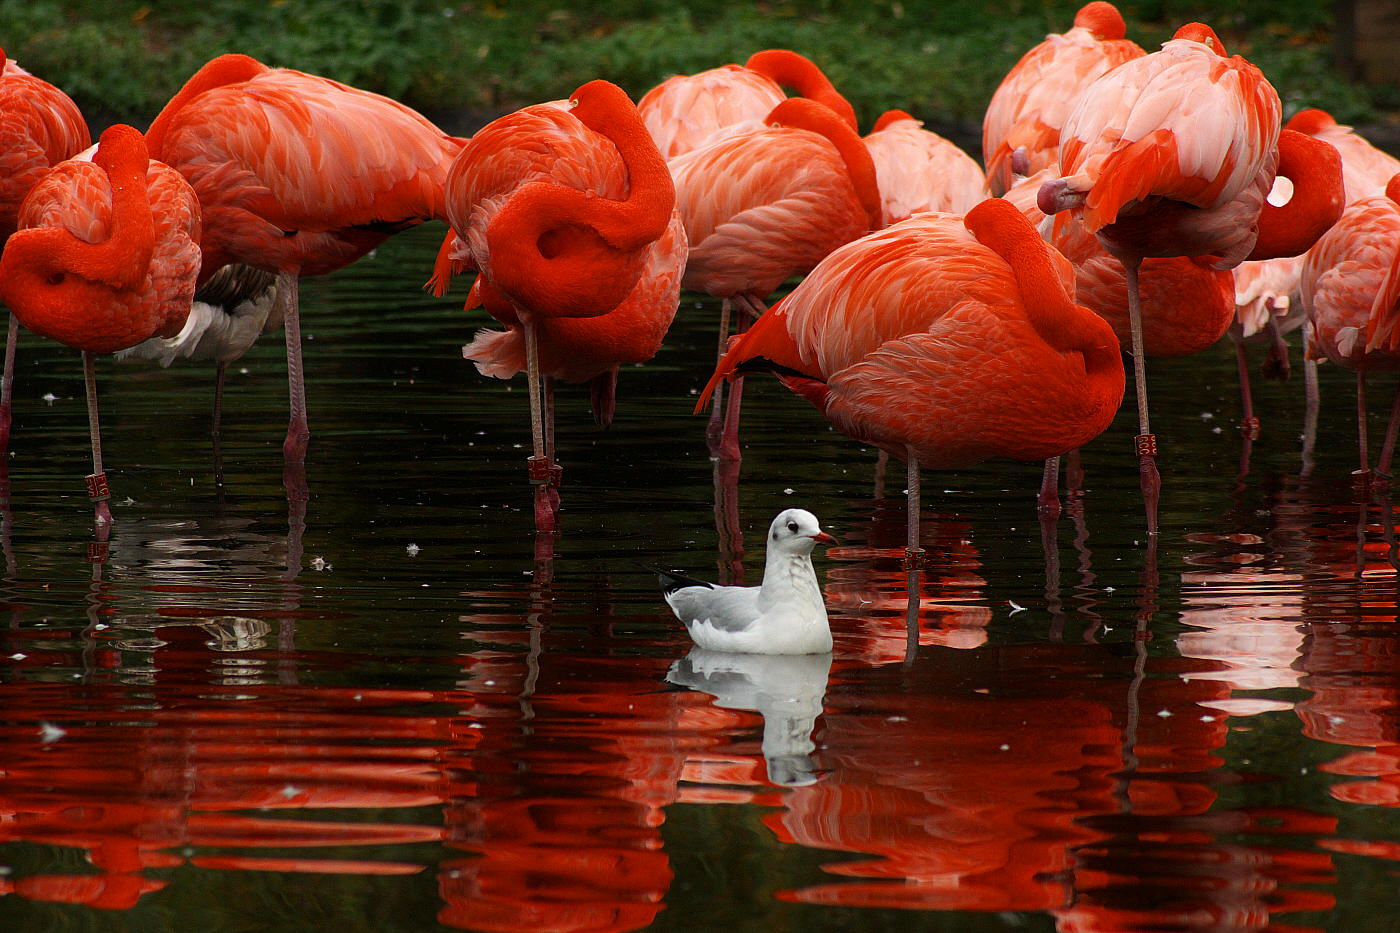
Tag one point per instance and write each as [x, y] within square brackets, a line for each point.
[728, 608]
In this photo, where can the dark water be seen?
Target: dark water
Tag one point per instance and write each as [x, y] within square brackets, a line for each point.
[382, 712]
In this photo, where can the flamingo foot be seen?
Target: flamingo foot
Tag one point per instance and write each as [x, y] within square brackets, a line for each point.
[545, 476]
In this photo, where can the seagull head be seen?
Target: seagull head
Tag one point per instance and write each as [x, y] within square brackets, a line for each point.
[796, 531]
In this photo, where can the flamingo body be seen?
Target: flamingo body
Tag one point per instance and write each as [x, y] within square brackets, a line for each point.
[1267, 290]
[49, 285]
[1029, 107]
[1365, 169]
[922, 340]
[40, 128]
[1351, 287]
[918, 170]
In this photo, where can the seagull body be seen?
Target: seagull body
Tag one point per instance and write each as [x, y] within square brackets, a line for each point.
[786, 614]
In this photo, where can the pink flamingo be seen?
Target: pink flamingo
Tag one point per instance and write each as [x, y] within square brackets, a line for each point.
[1021, 129]
[568, 213]
[1365, 169]
[298, 175]
[918, 170]
[1173, 154]
[105, 257]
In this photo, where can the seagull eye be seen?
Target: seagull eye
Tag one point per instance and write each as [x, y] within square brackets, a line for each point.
[792, 527]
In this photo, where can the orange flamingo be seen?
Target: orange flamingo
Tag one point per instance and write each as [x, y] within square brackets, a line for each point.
[685, 112]
[1173, 154]
[1021, 129]
[1351, 292]
[1365, 169]
[568, 212]
[944, 341]
[105, 257]
[298, 175]
[918, 170]
[1266, 308]
[763, 206]
[40, 126]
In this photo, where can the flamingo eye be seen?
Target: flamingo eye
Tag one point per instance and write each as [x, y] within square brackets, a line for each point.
[55, 278]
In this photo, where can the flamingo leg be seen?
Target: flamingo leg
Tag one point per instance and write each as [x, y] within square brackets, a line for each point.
[881, 463]
[914, 552]
[1074, 476]
[98, 490]
[1048, 502]
[1249, 425]
[298, 431]
[7, 385]
[1276, 364]
[715, 428]
[1388, 446]
[752, 309]
[219, 372]
[540, 463]
[1309, 415]
[1150, 479]
[1363, 475]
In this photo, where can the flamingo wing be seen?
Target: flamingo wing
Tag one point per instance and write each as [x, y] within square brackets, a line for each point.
[685, 111]
[40, 128]
[918, 170]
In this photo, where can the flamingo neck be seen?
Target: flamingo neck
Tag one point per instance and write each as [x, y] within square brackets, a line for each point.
[566, 252]
[801, 74]
[1200, 32]
[1062, 324]
[1315, 169]
[217, 72]
[801, 113]
[1102, 19]
[1311, 122]
[1392, 188]
[890, 117]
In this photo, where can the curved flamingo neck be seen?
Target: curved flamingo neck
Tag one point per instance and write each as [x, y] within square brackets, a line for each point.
[1315, 169]
[1200, 32]
[891, 116]
[567, 252]
[788, 68]
[124, 257]
[1311, 121]
[1102, 19]
[1000, 227]
[801, 113]
[217, 72]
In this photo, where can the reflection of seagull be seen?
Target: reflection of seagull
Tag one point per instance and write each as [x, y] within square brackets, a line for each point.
[785, 615]
[787, 690]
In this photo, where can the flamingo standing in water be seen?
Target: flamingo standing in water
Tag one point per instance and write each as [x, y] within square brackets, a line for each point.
[763, 206]
[1173, 154]
[568, 212]
[1021, 129]
[918, 170]
[945, 341]
[40, 126]
[298, 175]
[685, 112]
[1351, 292]
[105, 257]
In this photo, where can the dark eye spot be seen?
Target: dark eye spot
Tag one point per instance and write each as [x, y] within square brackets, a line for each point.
[55, 278]
[792, 526]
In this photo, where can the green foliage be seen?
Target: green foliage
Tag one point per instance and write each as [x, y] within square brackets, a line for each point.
[936, 59]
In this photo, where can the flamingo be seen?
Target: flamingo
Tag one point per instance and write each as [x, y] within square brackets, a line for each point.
[1351, 293]
[918, 170]
[945, 341]
[1267, 308]
[40, 126]
[763, 206]
[1173, 154]
[1365, 169]
[568, 212]
[298, 175]
[1021, 129]
[685, 112]
[105, 257]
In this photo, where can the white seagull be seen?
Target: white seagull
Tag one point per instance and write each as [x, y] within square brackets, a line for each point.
[784, 615]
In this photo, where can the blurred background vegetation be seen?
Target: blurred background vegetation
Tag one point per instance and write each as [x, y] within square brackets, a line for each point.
[122, 59]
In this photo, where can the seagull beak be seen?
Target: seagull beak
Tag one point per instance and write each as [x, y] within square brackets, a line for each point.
[822, 537]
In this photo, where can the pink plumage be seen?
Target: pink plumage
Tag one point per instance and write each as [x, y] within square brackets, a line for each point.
[918, 170]
[41, 127]
[1365, 169]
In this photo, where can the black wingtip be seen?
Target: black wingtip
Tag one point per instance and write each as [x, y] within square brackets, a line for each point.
[670, 581]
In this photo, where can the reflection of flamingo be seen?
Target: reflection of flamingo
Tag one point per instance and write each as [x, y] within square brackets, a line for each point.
[106, 258]
[918, 170]
[880, 337]
[569, 214]
[298, 175]
[1173, 154]
[685, 112]
[1351, 291]
[1022, 125]
[766, 205]
[39, 127]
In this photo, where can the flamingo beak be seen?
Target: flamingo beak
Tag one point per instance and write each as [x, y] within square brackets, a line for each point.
[822, 537]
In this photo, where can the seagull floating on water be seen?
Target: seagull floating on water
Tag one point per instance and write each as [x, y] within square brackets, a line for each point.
[784, 615]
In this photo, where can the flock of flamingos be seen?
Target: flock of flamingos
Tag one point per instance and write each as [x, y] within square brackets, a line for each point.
[1131, 202]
